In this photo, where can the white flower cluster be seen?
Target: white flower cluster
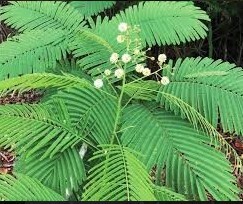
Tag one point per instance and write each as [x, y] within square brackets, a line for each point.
[115, 57]
[119, 73]
[134, 53]
[107, 72]
[120, 38]
[98, 83]
[123, 27]
[141, 69]
[126, 58]
[146, 71]
[162, 58]
[164, 80]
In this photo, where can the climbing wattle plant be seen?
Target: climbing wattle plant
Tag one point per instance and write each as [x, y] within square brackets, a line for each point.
[109, 127]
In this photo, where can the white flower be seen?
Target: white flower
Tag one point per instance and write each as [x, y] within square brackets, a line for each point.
[107, 72]
[126, 58]
[119, 73]
[98, 83]
[139, 68]
[123, 27]
[165, 80]
[114, 58]
[152, 58]
[146, 71]
[162, 58]
[120, 38]
[136, 52]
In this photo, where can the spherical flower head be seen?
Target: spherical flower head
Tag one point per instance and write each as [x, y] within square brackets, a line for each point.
[122, 27]
[146, 71]
[114, 58]
[98, 83]
[107, 72]
[136, 52]
[126, 58]
[139, 68]
[165, 80]
[120, 38]
[119, 73]
[162, 58]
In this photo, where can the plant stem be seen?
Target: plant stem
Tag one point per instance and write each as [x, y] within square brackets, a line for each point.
[114, 133]
[119, 108]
